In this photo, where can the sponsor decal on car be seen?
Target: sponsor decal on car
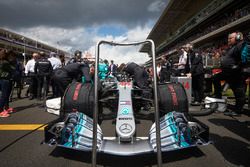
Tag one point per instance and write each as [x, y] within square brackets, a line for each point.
[125, 128]
[126, 118]
[125, 102]
[125, 111]
[125, 84]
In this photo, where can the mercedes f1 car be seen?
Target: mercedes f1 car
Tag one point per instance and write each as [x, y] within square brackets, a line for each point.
[82, 112]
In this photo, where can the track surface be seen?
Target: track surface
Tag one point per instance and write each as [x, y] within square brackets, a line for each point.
[22, 147]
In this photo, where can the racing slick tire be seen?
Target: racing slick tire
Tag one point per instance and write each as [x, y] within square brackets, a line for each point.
[172, 97]
[79, 97]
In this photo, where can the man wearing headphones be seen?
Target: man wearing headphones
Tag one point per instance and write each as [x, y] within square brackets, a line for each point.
[231, 73]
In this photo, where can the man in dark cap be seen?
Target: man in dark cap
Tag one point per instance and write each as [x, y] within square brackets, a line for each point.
[77, 57]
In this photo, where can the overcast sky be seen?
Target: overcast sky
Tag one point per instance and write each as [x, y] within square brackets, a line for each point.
[80, 24]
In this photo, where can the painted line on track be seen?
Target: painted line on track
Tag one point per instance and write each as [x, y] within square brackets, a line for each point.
[22, 127]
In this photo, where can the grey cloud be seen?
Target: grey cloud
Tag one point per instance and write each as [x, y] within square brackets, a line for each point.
[156, 6]
[72, 13]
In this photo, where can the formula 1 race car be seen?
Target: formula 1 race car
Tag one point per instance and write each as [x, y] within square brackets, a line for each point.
[84, 108]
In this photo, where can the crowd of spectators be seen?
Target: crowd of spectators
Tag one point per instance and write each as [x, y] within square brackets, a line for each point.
[222, 20]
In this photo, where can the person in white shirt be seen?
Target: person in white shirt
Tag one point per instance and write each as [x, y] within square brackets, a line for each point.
[182, 61]
[30, 71]
[55, 62]
[30, 66]
[158, 70]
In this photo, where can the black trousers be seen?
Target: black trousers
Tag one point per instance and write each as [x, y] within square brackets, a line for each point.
[236, 83]
[197, 87]
[5, 87]
[42, 85]
[164, 76]
[33, 87]
[55, 89]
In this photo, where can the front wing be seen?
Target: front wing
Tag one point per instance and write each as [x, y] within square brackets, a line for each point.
[177, 130]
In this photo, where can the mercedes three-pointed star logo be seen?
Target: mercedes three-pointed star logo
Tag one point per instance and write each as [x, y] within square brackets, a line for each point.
[125, 128]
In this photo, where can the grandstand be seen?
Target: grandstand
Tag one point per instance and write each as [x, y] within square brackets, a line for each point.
[25, 46]
[202, 23]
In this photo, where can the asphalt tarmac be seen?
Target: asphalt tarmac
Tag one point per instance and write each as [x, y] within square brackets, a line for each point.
[24, 148]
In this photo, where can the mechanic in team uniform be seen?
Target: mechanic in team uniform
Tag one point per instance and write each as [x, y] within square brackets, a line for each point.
[140, 74]
[43, 69]
[71, 72]
[231, 72]
[141, 78]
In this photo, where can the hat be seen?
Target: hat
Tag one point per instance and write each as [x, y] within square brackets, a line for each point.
[78, 53]
[106, 61]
